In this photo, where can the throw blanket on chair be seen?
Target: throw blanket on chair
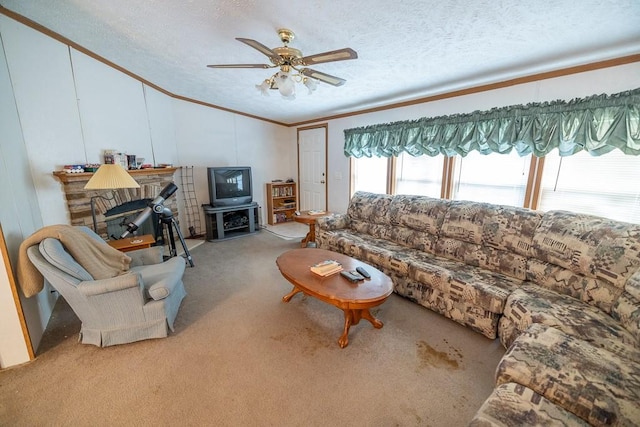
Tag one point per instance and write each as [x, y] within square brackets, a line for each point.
[98, 258]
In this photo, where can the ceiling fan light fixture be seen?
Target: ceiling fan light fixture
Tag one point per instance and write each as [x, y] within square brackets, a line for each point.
[286, 85]
[288, 59]
[264, 87]
[311, 84]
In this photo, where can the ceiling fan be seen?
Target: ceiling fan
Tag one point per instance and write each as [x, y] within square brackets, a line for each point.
[289, 60]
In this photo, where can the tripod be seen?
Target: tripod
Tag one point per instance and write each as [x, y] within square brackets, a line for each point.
[166, 219]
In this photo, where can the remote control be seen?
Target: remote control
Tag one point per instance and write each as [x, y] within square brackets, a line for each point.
[351, 276]
[364, 273]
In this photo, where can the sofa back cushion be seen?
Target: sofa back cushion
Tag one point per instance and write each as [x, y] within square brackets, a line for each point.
[417, 220]
[369, 213]
[589, 245]
[588, 257]
[489, 236]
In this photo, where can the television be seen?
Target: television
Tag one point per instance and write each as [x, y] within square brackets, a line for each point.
[229, 186]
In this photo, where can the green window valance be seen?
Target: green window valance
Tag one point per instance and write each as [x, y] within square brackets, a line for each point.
[597, 124]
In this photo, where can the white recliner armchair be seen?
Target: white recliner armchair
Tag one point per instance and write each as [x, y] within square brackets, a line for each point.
[140, 304]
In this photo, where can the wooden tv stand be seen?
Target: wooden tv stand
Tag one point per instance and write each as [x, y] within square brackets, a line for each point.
[229, 221]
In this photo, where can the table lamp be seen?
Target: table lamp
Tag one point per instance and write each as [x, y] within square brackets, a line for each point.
[108, 177]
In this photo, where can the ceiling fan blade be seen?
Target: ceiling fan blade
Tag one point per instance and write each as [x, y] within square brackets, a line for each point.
[334, 55]
[327, 78]
[241, 66]
[274, 57]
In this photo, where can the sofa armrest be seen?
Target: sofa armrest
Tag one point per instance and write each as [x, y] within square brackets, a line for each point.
[334, 221]
[113, 284]
[146, 256]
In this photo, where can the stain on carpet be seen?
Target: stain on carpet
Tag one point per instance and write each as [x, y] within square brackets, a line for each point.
[429, 356]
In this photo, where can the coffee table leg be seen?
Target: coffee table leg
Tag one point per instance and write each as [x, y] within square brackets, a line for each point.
[367, 315]
[290, 295]
[343, 341]
[352, 317]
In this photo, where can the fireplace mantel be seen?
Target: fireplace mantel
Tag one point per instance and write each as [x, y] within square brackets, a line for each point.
[65, 177]
[151, 181]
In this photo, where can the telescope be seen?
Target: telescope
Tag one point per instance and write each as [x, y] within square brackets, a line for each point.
[154, 206]
[165, 217]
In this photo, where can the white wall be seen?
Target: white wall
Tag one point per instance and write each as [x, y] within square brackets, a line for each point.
[46, 102]
[207, 137]
[19, 216]
[610, 80]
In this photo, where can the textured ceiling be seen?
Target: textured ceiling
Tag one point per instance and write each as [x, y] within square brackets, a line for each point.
[407, 49]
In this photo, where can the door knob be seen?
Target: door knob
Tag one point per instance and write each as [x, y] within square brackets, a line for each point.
[322, 182]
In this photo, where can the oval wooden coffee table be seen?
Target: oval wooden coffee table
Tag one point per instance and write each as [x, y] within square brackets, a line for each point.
[354, 299]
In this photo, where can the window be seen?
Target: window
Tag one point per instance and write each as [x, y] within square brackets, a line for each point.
[419, 175]
[607, 185]
[492, 178]
[370, 174]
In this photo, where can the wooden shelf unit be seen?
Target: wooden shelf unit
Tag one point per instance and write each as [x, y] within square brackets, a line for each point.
[282, 202]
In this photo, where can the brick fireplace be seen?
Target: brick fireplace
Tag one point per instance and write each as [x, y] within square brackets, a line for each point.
[151, 181]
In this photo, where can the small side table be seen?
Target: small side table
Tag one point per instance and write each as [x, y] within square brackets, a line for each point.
[309, 218]
[132, 243]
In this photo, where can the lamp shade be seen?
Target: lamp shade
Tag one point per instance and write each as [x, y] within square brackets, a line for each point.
[109, 177]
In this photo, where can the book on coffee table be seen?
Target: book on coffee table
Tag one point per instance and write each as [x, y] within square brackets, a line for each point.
[326, 268]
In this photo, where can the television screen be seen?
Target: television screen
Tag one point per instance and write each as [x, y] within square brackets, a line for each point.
[229, 186]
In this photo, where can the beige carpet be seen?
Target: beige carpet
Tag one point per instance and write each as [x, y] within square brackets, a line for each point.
[240, 356]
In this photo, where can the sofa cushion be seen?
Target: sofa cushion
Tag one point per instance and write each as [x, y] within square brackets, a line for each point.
[414, 239]
[53, 251]
[419, 212]
[464, 312]
[626, 310]
[505, 228]
[589, 245]
[484, 288]
[633, 285]
[343, 241]
[493, 237]
[385, 255]
[370, 208]
[592, 383]
[503, 262]
[334, 221]
[416, 221]
[513, 404]
[531, 304]
[595, 292]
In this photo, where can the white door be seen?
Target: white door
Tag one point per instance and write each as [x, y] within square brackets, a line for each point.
[312, 165]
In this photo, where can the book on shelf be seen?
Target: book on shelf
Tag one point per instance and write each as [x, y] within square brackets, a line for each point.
[326, 268]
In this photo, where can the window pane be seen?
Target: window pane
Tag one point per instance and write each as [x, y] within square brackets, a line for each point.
[607, 185]
[370, 174]
[419, 175]
[493, 178]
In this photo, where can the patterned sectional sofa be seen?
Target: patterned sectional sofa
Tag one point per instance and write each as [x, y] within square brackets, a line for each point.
[561, 291]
